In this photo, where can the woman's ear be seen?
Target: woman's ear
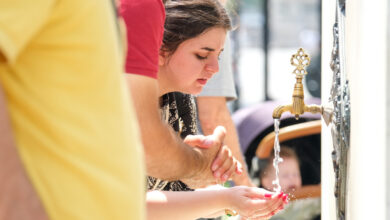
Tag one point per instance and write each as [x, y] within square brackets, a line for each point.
[162, 56]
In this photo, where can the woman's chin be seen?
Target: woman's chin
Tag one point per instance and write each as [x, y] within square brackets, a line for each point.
[194, 91]
[197, 92]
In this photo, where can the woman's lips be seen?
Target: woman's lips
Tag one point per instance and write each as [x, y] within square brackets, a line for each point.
[202, 81]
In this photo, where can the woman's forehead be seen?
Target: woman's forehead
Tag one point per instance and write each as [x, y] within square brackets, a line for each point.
[211, 40]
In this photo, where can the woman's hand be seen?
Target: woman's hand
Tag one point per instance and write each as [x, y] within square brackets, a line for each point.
[255, 203]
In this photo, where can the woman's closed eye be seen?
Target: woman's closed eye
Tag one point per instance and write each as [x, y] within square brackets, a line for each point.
[200, 57]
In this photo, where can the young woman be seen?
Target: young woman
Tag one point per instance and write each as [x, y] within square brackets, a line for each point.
[194, 36]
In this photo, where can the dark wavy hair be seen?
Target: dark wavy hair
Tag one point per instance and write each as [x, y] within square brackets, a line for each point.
[186, 19]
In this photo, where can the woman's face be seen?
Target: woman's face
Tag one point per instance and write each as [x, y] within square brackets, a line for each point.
[193, 63]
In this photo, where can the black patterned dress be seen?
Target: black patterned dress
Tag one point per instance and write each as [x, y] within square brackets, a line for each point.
[179, 111]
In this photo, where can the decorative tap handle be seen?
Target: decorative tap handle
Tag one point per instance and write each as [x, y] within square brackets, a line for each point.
[300, 60]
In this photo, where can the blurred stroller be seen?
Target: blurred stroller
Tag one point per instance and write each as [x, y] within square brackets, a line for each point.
[255, 127]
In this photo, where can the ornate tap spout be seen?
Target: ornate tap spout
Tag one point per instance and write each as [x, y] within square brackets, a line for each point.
[300, 60]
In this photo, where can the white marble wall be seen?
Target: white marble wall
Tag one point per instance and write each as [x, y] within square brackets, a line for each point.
[367, 70]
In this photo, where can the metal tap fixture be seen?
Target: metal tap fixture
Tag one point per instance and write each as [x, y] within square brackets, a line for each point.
[300, 60]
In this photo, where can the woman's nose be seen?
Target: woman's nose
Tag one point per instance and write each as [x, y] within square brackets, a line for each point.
[212, 66]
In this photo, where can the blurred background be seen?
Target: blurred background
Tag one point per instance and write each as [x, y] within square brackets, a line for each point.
[267, 34]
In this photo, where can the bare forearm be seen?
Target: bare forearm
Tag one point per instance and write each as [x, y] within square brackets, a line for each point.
[167, 157]
[185, 205]
[18, 199]
[213, 112]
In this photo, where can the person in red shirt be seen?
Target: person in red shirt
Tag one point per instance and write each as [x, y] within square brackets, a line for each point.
[167, 156]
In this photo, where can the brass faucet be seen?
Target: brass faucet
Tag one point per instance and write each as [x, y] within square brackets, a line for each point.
[300, 60]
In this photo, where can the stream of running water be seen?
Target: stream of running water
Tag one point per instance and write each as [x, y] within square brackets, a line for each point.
[277, 159]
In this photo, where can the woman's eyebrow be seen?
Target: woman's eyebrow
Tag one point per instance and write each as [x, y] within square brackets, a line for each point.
[208, 49]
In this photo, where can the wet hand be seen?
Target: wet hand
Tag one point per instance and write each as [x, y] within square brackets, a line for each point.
[257, 203]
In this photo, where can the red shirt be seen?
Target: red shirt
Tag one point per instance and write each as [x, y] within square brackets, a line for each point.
[144, 21]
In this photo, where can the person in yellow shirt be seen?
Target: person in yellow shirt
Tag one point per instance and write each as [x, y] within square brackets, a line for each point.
[69, 138]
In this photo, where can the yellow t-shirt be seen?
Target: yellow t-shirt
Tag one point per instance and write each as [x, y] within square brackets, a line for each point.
[71, 115]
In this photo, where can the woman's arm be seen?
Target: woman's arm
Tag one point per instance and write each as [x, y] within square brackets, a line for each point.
[247, 201]
[163, 205]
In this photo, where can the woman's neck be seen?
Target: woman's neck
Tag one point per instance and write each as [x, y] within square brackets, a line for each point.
[163, 84]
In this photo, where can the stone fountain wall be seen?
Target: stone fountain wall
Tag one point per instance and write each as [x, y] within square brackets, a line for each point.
[340, 101]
